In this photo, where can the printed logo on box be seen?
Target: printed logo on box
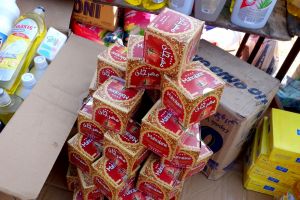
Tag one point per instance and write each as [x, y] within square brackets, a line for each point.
[167, 120]
[151, 189]
[282, 169]
[79, 162]
[298, 160]
[204, 109]
[182, 159]
[102, 186]
[163, 172]
[117, 91]
[156, 143]
[145, 76]
[266, 187]
[89, 128]
[107, 118]
[105, 73]
[273, 179]
[87, 144]
[172, 100]
[116, 173]
[138, 50]
[114, 154]
[298, 132]
[118, 53]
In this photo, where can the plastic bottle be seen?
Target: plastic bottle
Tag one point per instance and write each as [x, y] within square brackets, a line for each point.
[40, 66]
[252, 14]
[27, 84]
[8, 105]
[232, 5]
[184, 7]
[9, 12]
[208, 10]
[20, 47]
[293, 7]
[134, 2]
[154, 4]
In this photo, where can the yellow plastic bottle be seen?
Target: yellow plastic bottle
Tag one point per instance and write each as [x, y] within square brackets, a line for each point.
[154, 4]
[232, 5]
[134, 2]
[293, 7]
[19, 49]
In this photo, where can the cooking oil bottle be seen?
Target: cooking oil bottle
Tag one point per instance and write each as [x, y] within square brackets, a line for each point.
[134, 2]
[20, 47]
[8, 105]
[293, 7]
[154, 4]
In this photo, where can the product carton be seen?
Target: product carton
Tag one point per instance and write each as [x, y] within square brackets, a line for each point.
[134, 194]
[171, 40]
[83, 151]
[195, 96]
[88, 189]
[247, 94]
[78, 194]
[97, 14]
[138, 73]
[125, 149]
[285, 137]
[158, 180]
[114, 104]
[111, 62]
[72, 178]
[189, 149]
[86, 125]
[161, 132]
[111, 179]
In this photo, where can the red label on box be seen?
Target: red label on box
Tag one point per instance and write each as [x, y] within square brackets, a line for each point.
[105, 73]
[79, 162]
[117, 91]
[159, 53]
[87, 144]
[88, 107]
[196, 169]
[151, 189]
[138, 50]
[90, 129]
[118, 53]
[145, 76]
[167, 120]
[116, 173]
[94, 194]
[107, 118]
[192, 49]
[132, 133]
[79, 195]
[172, 22]
[206, 108]
[142, 157]
[156, 143]
[182, 159]
[102, 186]
[114, 154]
[192, 137]
[164, 173]
[172, 100]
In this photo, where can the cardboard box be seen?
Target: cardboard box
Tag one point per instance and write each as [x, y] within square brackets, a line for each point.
[83, 151]
[160, 131]
[114, 104]
[138, 73]
[247, 94]
[285, 138]
[171, 40]
[97, 14]
[72, 178]
[125, 149]
[111, 62]
[86, 125]
[195, 96]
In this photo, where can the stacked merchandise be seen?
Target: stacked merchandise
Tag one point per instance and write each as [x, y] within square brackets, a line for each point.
[120, 159]
[273, 164]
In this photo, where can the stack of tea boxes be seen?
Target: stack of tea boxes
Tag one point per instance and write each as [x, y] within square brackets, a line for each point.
[118, 158]
[273, 162]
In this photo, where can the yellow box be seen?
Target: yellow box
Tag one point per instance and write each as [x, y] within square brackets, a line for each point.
[285, 137]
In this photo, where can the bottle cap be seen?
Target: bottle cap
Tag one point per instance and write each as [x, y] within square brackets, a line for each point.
[40, 10]
[4, 98]
[28, 80]
[40, 62]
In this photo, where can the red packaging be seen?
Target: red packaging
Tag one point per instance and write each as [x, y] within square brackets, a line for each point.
[126, 149]
[160, 131]
[72, 178]
[83, 151]
[114, 104]
[135, 194]
[195, 96]
[78, 195]
[139, 74]
[111, 62]
[171, 41]
[86, 125]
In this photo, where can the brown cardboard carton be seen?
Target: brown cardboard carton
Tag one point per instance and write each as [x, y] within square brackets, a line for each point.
[160, 131]
[111, 62]
[72, 178]
[125, 149]
[114, 104]
[89, 12]
[86, 125]
[171, 40]
[83, 151]
[195, 96]
[138, 73]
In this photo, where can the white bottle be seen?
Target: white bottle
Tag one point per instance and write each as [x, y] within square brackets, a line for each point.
[9, 12]
[40, 66]
[28, 82]
[252, 14]
[184, 7]
[208, 10]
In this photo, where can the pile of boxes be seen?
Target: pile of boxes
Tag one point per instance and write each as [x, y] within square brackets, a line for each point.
[118, 158]
[273, 162]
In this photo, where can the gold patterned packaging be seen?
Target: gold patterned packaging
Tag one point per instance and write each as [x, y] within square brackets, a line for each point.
[72, 178]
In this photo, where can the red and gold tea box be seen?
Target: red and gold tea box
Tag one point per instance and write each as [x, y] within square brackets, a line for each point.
[160, 131]
[72, 178]
[86, 125]
[112, 62]
[195, 96]
[138, 73]
[158, 180]
[205, 155]
[135, 194]
[78, 194]
[111, 179]
[125, 149]
[88, 189]
[114, 104]
[189, 149]
[83, 151]
[171, 41]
